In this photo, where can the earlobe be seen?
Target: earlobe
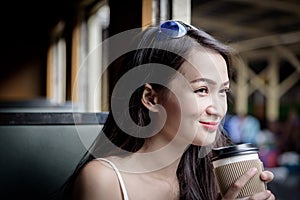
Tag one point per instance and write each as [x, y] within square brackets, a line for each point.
[149, 98]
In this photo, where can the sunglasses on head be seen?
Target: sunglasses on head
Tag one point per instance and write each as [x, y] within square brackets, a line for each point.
[174, 29]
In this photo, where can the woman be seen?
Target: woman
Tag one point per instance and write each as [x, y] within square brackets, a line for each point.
[166, 114]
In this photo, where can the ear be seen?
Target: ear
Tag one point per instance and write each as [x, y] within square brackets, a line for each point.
[149, 98]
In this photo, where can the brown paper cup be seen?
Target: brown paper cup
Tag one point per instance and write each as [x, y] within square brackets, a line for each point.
[229, 168]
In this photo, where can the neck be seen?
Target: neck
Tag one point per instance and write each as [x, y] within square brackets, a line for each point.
[162, 155]
[153, 158]
[168, 172]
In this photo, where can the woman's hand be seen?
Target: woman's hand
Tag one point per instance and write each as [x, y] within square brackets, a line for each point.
[235, 189]
[266, 176]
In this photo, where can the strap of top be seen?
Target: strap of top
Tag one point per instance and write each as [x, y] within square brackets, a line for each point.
[121, 182]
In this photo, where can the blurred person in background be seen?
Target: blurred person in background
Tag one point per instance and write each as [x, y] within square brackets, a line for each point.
[243, 128]
[292, 131]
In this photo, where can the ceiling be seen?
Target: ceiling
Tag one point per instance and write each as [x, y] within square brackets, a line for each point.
[253, 23]
[245, 24]
[260, 30]
[230, 20]
[26, 28]
[25, 31]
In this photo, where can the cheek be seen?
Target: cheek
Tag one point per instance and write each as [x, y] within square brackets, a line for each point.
[180, 109]
[197, 105]
[191, 105]
[224, 107]
[173, 109]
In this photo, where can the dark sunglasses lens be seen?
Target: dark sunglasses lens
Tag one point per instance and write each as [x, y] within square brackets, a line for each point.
[173, 29]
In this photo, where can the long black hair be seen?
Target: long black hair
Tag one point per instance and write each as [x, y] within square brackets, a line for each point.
[195, 174]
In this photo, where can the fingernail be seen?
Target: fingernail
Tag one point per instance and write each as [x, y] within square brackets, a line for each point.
[263, 176]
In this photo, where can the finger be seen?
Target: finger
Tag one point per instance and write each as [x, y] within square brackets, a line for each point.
[267, 194]
[235, 189]
[267, 176]
[272, 197]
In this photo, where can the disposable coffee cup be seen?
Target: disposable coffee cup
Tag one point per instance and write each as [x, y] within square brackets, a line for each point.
[231, 162]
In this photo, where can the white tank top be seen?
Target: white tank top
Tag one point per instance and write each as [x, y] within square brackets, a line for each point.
[121, 182]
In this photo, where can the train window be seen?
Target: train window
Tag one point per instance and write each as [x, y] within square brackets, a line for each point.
[86, 83]
[89, 78]
[56, 66]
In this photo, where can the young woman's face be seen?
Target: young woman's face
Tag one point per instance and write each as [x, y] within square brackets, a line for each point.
[198, 101]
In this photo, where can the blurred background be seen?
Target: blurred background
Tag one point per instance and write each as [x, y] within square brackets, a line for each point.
[46, 76]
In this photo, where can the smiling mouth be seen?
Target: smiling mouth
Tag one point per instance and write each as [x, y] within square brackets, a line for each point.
[213, 126]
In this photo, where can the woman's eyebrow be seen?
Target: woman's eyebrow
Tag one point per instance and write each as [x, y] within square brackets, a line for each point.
[209, 81]
[204, 80]
[226, 83]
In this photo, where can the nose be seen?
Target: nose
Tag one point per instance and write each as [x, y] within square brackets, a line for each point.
[212, 110]
[216, 106]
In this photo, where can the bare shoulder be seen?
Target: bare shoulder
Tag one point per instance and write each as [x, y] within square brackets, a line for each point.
[97, 180]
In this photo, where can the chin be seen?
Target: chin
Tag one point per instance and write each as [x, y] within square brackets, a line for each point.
[206, 140]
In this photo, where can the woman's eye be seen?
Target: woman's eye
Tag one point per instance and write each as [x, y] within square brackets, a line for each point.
[225, 91]
[202, 91]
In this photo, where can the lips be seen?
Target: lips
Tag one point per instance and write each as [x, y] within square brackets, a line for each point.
[213, 126]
